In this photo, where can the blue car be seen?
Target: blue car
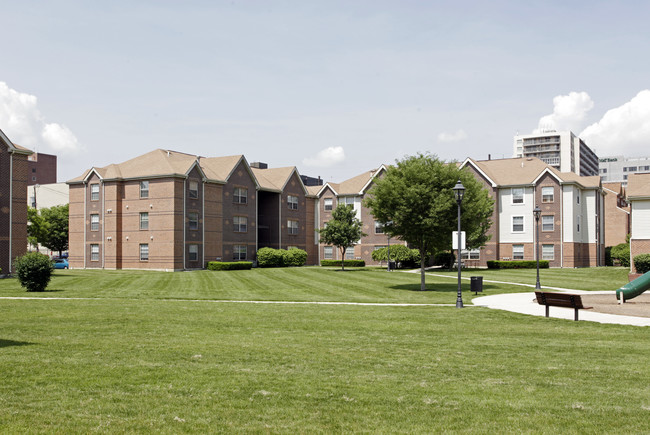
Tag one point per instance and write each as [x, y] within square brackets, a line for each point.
[60, 263]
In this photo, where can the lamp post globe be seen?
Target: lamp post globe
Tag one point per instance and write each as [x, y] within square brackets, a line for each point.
[459, 193]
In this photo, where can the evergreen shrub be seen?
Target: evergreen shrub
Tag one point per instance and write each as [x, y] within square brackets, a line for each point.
[34, 271]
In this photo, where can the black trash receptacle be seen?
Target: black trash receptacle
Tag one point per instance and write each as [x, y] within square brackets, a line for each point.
[392, 265]
[476, 284]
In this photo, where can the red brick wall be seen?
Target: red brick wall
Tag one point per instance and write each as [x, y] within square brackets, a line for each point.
[239, 178]
[638, 246]
[76, 226]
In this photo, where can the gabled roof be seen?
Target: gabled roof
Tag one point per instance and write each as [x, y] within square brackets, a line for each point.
[12, 147]
[220, 168]
[156, 163]
[525, 171]
[313, 190]
[638, 186]
[276, 179]
[355, 185]
[615, 187]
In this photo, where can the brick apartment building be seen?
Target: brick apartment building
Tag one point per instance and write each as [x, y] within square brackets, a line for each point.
[638, 194]
[41, 169]
[167, 210]
[352, 191]
[571, 226]
[617, 214]
[13, 202]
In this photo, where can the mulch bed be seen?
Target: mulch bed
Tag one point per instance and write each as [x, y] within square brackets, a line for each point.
[639, 306]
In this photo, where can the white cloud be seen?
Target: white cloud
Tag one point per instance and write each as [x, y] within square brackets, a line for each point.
[23, 123]
[326, 158]
[622, 130]
[569, 112]
[452, 137]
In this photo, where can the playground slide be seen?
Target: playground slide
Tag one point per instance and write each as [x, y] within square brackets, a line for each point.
[634, 288]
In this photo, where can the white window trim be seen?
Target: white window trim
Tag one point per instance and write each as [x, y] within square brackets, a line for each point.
[552, 223]
[512, 196]
[552, 256]
[523, 255]
[523, 224]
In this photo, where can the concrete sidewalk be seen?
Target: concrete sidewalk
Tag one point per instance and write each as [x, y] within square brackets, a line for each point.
[525, 303]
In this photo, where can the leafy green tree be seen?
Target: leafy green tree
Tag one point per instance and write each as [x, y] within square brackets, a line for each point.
[415, 196]
[49, 228]
[343, 230]
[34, 271]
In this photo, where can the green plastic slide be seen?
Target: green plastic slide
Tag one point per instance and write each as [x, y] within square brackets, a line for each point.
[634, 288]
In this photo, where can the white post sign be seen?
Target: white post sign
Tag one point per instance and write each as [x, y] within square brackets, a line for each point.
[454, 240]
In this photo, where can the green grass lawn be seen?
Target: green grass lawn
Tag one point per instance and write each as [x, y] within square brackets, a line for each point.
[146, 357]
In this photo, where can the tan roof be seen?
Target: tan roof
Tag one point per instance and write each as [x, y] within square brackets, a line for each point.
[274, 178]
[523, 171]
[313, 190]
[219, 168]
[614, 186]
[638, 186]
[354, 185]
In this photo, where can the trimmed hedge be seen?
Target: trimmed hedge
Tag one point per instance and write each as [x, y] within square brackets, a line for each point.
[235, 265]
[346, 263]
[516, 264]
[404, 256]
[621, 252]
[642, 263]
[269, 257]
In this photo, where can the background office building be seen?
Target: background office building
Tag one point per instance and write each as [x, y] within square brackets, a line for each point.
[618, 168]
[560, 149]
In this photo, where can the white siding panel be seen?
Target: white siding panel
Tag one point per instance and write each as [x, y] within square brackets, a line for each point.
[507, 210]
[641, 219]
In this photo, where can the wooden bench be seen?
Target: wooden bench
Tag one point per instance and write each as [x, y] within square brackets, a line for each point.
[565, 300]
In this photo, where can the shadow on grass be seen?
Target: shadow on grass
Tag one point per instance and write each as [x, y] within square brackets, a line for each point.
[442, 288]
[7, 343]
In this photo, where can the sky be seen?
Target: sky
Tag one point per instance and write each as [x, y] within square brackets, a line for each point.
[335, 88]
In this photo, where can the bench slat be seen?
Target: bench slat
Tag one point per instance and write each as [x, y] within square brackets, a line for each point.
[565, 300]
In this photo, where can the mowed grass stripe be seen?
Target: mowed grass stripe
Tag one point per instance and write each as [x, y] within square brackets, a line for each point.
[147, 365]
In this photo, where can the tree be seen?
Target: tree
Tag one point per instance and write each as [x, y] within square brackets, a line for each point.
[343, 230]
[49, 228]
[416, 201]
[34, 271]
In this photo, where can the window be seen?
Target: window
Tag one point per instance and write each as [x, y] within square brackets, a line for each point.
[327, 204]
[144, 220]
[32, 201]
[379, 228]
[94, 252]
[578, 223]
[292, 202]
[193, 220]
[578, 198]
[632, 169]
[144, 189]
[347, 200]
[328, 253]
[472, 254]
[548, 252]
[194, 189]
[349, 253]
[517, 252]
[517, 195]
[239, 252]
[517, 224]
[548, 223]
[194, 253]
[94, 222]
[240, 224]
[377, 247]
[144, 252]
[94, 192]
[292, 226]
[547, 194]
[240, 195]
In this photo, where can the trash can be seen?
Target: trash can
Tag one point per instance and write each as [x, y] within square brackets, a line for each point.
[476, 284]
[392, 265]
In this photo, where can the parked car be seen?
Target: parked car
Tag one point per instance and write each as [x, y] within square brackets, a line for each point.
[60, 263]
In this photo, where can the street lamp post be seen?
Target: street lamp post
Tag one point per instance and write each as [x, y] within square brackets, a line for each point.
[388, 235]
[459, 192]
[537, 212]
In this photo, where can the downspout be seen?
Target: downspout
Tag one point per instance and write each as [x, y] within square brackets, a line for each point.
[280, 221]
[563, 226]
[103, 225]
[184, 213]
[11, 203]
[203, 226]
[84, 220]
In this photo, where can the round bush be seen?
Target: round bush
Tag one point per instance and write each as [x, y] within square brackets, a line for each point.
[294, 257]
[269, 257]
[34, 271]
[621, 252]
[642, 263]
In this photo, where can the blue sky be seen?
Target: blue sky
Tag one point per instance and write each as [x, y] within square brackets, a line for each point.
[332, 87]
